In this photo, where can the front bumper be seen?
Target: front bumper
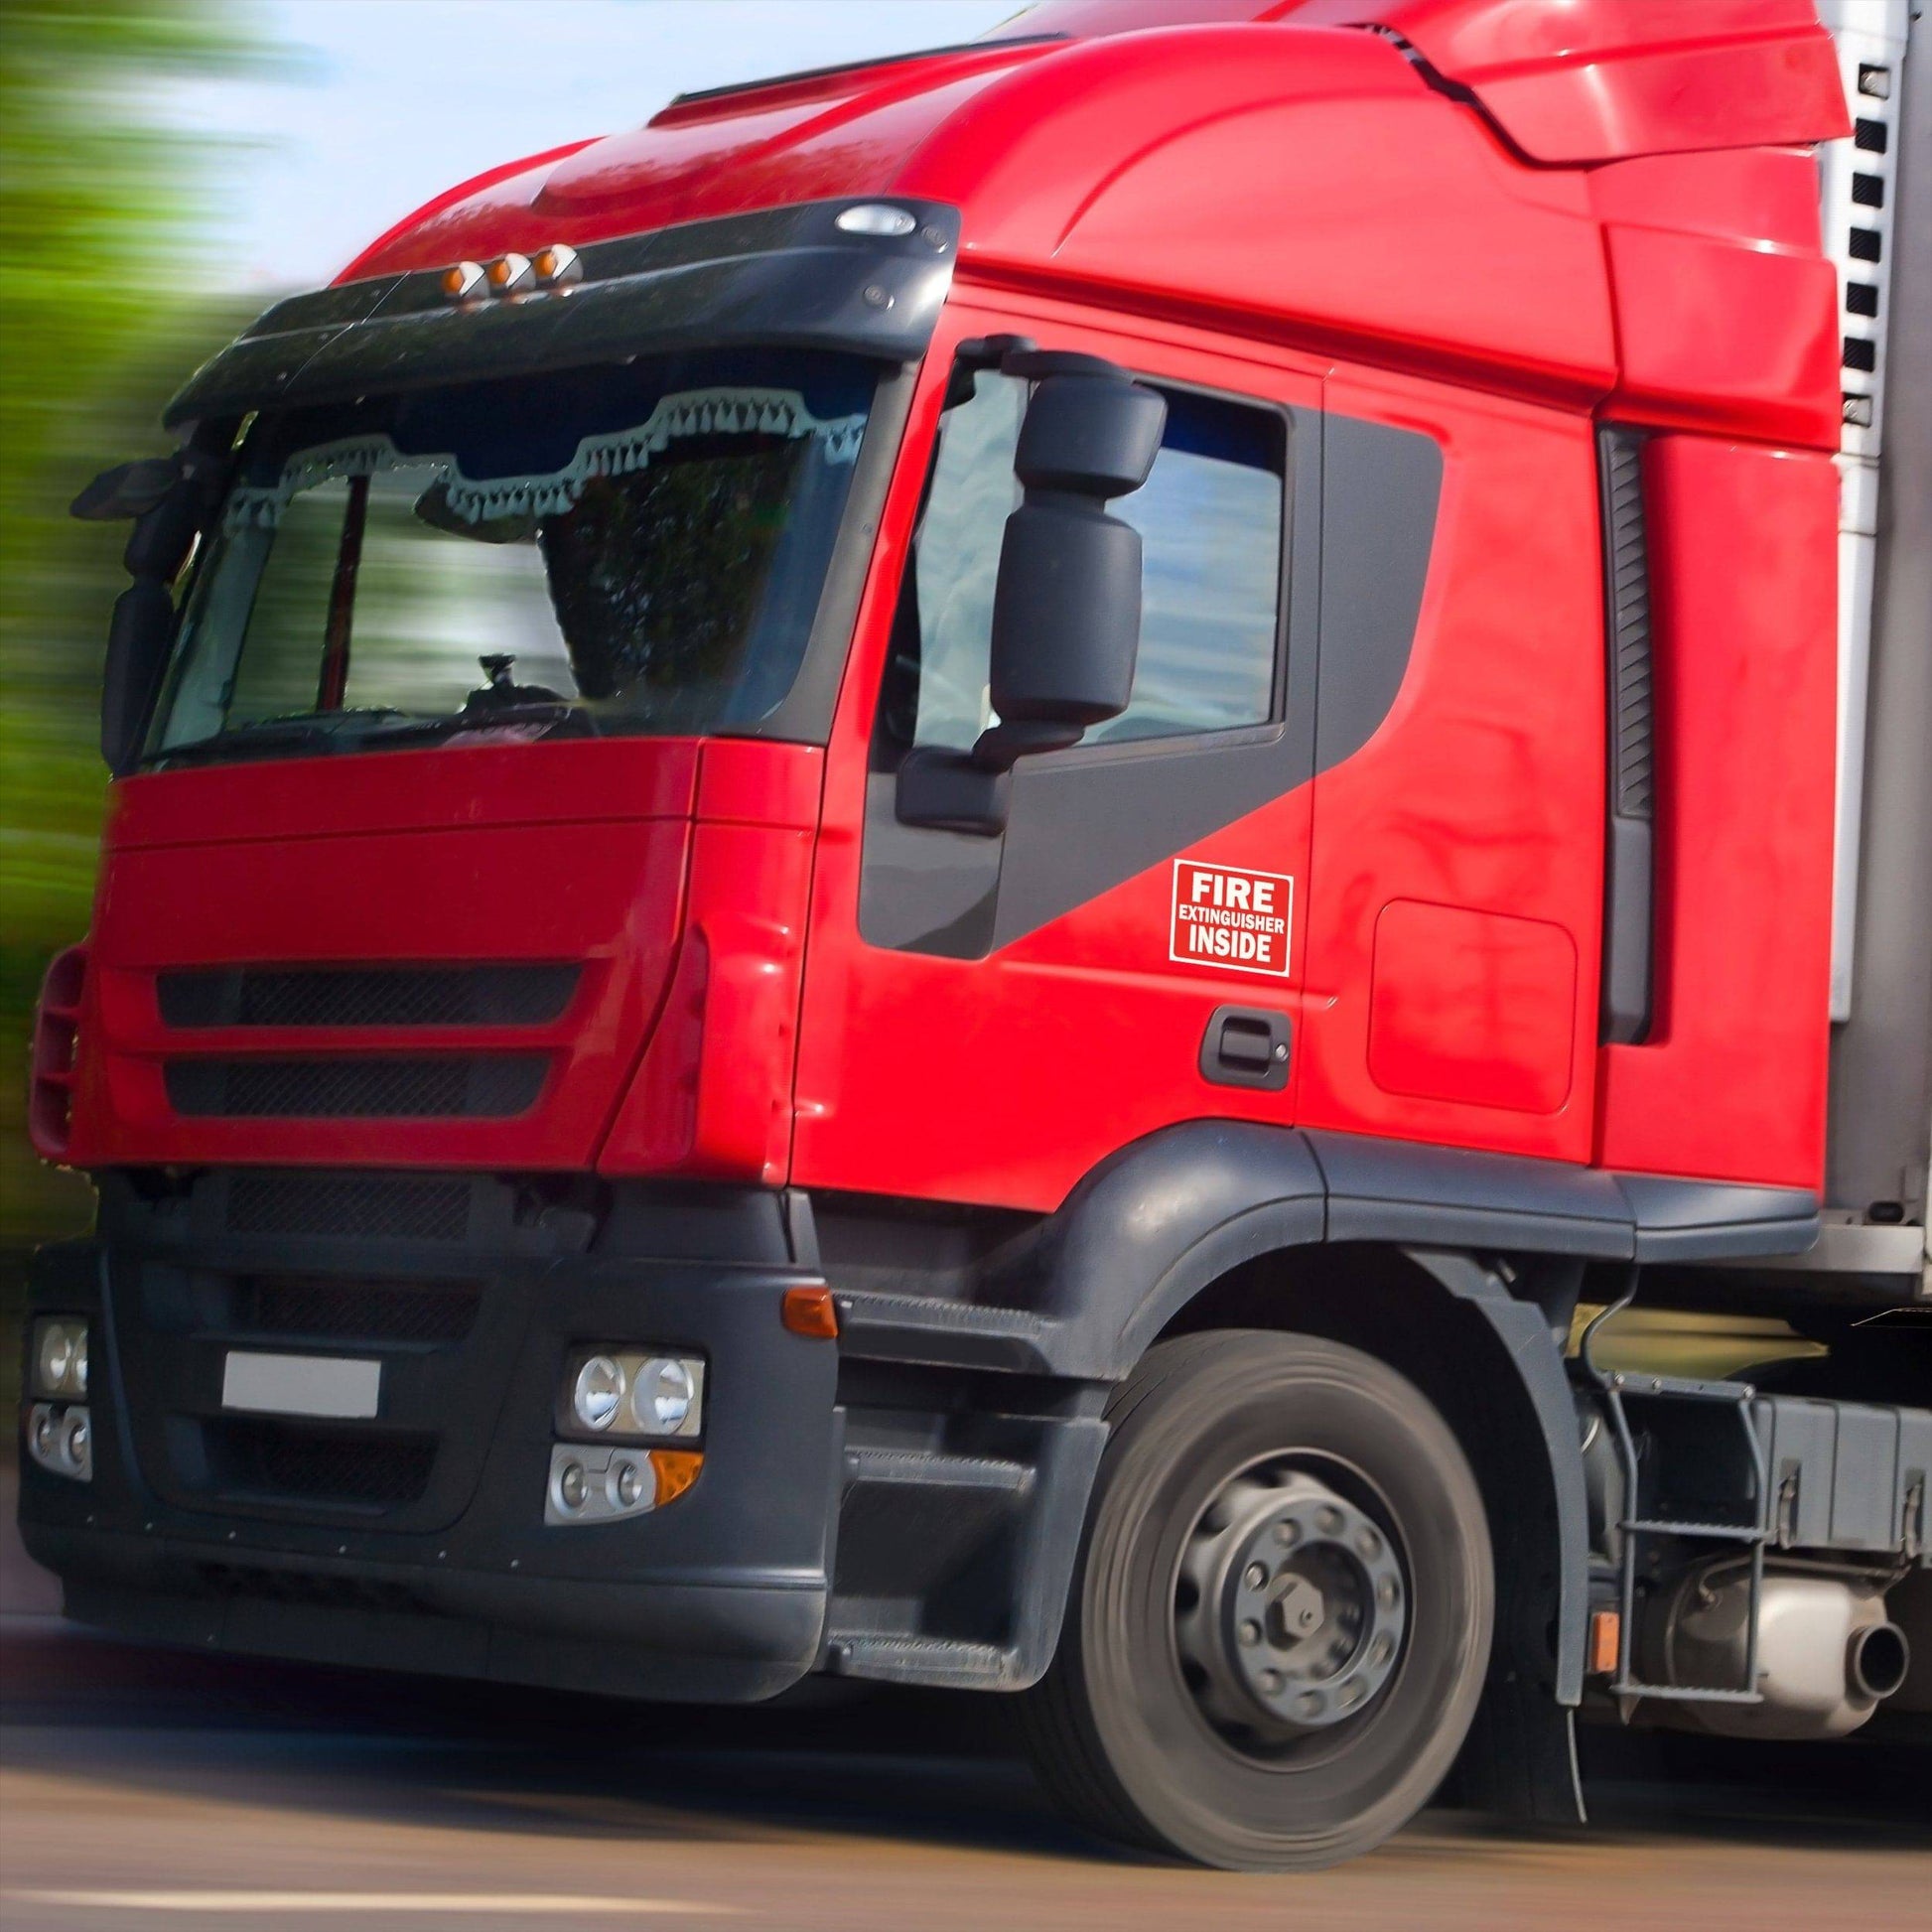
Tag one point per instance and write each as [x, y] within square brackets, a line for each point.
[438, 1558]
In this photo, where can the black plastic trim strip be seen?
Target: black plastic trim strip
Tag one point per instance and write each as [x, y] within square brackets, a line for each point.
[1630, 858]
[784, 278]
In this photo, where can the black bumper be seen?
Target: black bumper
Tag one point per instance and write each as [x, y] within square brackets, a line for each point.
[719, 1594]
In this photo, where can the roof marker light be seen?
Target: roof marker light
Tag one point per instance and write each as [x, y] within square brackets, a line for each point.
[876, 218]
[463, 280]
[556, 265]
[509, 274]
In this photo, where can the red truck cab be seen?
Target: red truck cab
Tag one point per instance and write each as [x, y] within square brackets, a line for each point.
[906, 878]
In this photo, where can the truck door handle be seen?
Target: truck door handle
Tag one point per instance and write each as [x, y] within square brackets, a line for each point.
[1246, 1046]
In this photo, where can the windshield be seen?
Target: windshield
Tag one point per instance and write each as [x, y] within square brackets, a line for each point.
[628, 549]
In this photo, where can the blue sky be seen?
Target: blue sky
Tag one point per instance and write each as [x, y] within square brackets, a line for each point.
[385, 102]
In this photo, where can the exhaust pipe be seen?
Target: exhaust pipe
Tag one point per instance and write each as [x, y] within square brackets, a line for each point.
[1878, 1660]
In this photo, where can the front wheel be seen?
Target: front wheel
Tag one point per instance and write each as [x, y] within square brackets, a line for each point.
[1280, 1619]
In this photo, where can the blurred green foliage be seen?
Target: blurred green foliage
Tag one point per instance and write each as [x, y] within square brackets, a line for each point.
[104, 220]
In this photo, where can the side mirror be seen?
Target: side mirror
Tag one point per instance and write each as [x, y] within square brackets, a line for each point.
[1066, 606]
[138, 642]
[167, 497]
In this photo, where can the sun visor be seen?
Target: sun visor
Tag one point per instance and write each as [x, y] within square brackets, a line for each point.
[867, 278]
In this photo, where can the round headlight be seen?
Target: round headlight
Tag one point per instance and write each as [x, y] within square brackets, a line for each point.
[570, 1487]
[74, 1442]
[46, 1435]
[57, 1355]
[662, 1399]
[598, 1391]
[626, 1483]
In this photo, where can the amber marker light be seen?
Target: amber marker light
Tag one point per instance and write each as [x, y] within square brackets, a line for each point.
[676, 1470]
[463, 280]
[556, 265]
[508, 274]
[1606, 1635]
[811, 1312]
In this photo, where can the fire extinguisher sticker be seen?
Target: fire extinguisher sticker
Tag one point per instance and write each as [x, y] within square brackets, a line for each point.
[1237, 921]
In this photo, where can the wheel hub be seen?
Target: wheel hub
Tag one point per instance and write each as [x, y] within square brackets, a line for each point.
[1290, 1607]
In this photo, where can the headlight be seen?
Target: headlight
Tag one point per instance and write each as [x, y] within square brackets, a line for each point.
[631, 1395]
[662, 1396]
[60, 1358]
[598, 1392]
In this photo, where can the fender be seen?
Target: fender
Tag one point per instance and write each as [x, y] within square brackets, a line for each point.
[1161, 1220]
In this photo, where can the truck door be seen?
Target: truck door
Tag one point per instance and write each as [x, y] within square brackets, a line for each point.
[986, 1018]
[1455, 913]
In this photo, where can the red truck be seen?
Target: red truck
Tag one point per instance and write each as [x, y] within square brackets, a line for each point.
[907, 881]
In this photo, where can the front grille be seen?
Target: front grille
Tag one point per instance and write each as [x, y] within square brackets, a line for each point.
[353, 1207]
[474, 1086]
[300, 1462]
[392, 996]
[321, 1307]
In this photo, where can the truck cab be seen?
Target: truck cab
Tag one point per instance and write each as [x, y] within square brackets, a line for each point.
[907, 881]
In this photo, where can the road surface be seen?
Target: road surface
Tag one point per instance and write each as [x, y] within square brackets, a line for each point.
[144, 1789]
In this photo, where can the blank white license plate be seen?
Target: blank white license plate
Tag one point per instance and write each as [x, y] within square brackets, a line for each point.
[301, 1385]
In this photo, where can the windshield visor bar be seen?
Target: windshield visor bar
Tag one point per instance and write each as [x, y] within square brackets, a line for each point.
[787, 277]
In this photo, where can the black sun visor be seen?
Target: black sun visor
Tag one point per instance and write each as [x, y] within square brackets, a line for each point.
[863, 277]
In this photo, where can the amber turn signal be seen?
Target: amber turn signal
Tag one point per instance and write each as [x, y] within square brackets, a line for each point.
[811, 1312]
[1605, 1634]
[676, 1470]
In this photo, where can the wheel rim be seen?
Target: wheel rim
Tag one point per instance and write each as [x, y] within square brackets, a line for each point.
[1291, 1602]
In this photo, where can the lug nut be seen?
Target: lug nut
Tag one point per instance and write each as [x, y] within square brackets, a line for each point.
[1253, 1576]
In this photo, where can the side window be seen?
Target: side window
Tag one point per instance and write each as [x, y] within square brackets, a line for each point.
[1211, 518]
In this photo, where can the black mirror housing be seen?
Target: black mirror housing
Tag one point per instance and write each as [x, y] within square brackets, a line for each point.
[1066, 604]
[1066, 614]
[138, 640]
[1093, 436]
[128, 490]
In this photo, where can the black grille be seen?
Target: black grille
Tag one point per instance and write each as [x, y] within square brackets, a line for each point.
[390, 995]
[467, 1087]
[355, 1468]
[350, 1205]
[321, 1307]
[304, 1586]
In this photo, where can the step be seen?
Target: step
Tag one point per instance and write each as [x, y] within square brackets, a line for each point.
[948, 1335]
[947, 1661]
[1711, 1532]
[934, 1469]
[1685, 1694]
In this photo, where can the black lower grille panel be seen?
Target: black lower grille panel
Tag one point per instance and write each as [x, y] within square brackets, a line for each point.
[474, 1086]
[302, 1463]
[363, 1207]
[306, 1587]
[324, 1306]
[365, 996]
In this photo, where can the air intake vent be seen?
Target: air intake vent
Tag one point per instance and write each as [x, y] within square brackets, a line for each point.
[295, 1307]
[355, 1206]
[394, 996]
[474, 1087]
[351, 1468]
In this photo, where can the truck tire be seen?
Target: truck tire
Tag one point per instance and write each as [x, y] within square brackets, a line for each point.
[1280, 1618]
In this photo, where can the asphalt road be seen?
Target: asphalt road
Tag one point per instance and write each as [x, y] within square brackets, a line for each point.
[147, 1789]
